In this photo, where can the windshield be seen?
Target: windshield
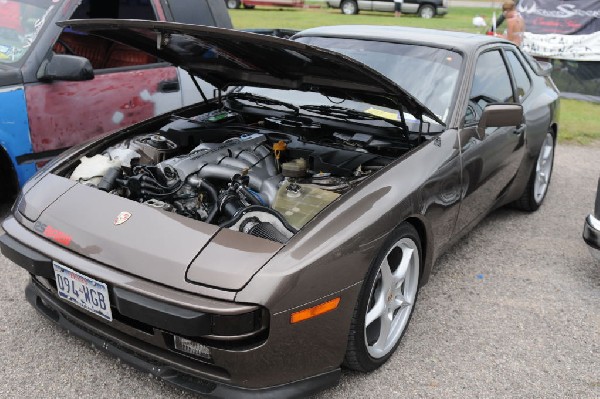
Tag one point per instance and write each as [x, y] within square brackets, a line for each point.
[20, 23]
[429, 74]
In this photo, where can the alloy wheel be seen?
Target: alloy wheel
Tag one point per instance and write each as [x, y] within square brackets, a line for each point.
[392, 298]
[543, 168]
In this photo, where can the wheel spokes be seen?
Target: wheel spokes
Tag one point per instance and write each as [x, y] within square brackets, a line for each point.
[377, 311]
[387, 278]
[400, 302]
[407, 255]
[384, 333]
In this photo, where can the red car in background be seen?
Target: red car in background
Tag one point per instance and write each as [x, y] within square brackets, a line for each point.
[60, 88]
[231, 4]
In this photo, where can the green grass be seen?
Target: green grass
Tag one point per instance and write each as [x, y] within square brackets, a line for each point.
[303, 18]
[579, 121]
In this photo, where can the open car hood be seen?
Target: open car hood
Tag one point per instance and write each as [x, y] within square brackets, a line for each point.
[228, 58]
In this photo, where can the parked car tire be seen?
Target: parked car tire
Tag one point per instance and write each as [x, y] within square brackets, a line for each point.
[386, 301]
[233, 4]
[539, 181]
[349, 7]
[8, 181]
[427, 11]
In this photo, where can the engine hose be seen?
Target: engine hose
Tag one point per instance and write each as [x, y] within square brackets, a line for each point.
[249, 196]
[214, 196]
[162, 195]
[259, 208]
[258, 197]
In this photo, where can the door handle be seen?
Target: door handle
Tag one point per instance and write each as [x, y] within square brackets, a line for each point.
[520, 129]
[168, 86]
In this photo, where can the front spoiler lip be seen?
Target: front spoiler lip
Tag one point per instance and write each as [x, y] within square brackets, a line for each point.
[591, 235]
[142, 360]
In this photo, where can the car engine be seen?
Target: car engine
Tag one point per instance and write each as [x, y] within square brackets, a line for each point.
[267, 179]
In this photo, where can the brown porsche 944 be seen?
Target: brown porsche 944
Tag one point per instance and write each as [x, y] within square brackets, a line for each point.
[255, 243]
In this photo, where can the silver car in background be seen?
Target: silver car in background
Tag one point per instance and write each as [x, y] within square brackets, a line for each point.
[424, 8]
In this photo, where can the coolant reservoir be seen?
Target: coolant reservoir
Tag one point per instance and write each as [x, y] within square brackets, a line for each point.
[299, 203]
[91, 170]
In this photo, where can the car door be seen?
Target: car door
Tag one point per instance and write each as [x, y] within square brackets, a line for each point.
[129, 86]
[383, 5]
[410, 6]
[490, 162]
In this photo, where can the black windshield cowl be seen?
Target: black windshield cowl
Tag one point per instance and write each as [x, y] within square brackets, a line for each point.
[348, 114]
[261, 101]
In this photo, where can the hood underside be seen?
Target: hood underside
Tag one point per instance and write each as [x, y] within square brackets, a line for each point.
[227, 58]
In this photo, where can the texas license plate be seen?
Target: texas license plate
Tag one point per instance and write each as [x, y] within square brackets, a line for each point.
[83, 291]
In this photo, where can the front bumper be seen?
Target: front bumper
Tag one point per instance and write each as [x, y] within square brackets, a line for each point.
[285, 363]
[160, 363]
[591, 235]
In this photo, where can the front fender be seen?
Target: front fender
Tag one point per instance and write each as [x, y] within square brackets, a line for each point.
[336, 249]
[14, 130]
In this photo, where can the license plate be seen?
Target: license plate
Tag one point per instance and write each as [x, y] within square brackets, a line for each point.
[83, 291]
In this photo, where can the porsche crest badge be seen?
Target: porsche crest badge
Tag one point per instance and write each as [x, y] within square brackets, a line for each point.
[122, 218]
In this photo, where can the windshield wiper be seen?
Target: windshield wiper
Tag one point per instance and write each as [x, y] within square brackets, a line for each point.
[262, 102]
[348, 114]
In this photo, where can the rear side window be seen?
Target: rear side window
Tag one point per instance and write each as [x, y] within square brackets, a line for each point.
[521, 77]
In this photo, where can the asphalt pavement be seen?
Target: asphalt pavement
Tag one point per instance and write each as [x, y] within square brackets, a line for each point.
[513, 310]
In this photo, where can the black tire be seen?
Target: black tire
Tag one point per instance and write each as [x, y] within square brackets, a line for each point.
[232, 4]
[349, 7]
[249, 6]
[359, 353]
[8, 180]
[532, 198]
[427, 11]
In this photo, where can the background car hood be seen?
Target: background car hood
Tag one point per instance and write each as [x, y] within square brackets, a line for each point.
[228, 58]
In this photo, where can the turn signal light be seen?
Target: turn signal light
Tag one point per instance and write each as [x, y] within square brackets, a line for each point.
[314, 311]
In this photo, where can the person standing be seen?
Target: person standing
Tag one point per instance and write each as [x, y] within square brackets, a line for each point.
[397, 8]
[514, 21]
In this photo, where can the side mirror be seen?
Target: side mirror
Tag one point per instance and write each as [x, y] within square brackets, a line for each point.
[66, 67]
[499, 115]
[545, 68]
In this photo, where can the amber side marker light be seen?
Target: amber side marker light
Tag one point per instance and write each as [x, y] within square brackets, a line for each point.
[314, 311]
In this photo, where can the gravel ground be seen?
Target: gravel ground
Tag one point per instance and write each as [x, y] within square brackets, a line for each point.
[511, 311]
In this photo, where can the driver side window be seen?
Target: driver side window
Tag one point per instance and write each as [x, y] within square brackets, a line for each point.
[491, 84]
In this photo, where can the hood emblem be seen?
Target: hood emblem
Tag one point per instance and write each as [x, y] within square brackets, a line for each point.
[122, 218]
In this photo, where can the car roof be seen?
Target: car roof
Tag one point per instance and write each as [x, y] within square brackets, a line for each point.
[462, 41]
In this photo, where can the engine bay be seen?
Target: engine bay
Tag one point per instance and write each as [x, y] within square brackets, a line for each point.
[264, 176]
